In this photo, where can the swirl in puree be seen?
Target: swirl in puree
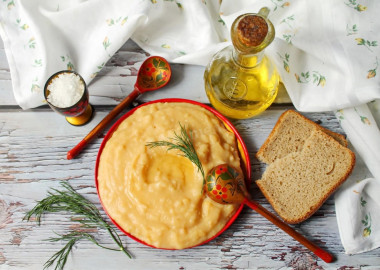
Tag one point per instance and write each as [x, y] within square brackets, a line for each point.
[155, 194]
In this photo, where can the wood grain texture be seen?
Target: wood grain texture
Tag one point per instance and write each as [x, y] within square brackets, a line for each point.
[116, 80]
[33, 147]
[32, 160]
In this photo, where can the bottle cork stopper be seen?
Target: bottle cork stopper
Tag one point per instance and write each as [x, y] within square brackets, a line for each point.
[252, 30]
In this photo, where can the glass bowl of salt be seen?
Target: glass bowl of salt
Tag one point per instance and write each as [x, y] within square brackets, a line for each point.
[66, 93]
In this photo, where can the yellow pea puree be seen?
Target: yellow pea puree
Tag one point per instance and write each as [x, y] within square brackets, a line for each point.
[155, 194]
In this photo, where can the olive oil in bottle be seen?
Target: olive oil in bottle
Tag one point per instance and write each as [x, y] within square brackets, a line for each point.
[240, 80]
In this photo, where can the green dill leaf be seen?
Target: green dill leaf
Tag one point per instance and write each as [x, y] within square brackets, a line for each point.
[183, 143]
[85, 212]
[61, 255]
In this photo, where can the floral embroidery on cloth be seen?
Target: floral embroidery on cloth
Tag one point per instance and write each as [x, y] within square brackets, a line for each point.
[327, 54]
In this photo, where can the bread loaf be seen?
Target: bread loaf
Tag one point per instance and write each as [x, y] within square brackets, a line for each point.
[299, 183]
[289, 135]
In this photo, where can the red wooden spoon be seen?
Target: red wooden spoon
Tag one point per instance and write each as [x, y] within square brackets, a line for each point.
[154, 73]
[226, 185]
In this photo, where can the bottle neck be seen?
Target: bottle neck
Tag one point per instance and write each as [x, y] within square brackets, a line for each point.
[247, 60]
[251, 33]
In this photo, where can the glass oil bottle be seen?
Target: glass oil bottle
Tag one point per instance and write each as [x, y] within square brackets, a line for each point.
[240, 81]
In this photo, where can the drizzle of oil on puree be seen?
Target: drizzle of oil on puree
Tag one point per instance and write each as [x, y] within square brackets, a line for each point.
[155, 194]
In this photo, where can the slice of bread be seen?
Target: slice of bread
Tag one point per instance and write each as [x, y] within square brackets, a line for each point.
[299, 183]
[289, 135]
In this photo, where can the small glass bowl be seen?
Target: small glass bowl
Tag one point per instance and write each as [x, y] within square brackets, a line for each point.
[78, 114]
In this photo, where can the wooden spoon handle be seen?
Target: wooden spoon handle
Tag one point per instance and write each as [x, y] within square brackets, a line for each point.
[106, 120]
[324, 255]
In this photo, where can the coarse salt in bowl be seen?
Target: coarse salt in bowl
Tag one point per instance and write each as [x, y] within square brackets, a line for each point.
[66, 93]
[66, 89]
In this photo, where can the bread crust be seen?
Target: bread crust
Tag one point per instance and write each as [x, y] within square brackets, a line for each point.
[324, 196]
[316, 206]
[260, 155]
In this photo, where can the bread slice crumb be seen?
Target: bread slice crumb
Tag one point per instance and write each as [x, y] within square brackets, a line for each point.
[297, 184]
[289, 135]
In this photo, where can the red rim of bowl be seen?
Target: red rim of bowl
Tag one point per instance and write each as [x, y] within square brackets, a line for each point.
[242, 151]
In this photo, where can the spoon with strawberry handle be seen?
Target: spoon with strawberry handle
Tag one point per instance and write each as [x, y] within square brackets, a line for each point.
[154, 73]
[225, 185]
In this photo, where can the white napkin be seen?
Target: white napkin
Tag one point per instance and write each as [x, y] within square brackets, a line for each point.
[357, 202]
[327, 53]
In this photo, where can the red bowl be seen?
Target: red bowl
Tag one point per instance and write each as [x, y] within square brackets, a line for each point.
[245, 162]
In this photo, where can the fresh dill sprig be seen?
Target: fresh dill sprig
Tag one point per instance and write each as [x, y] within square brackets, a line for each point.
[61, 256]
[184, 143]
[88, 215]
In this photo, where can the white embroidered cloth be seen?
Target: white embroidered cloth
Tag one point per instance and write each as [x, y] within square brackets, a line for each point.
[327, 53]
[357, 202]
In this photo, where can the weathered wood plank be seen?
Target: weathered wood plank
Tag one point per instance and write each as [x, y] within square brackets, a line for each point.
[33, 146]
[116, 80]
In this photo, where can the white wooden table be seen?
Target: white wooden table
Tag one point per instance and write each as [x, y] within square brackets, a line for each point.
[33, 147]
